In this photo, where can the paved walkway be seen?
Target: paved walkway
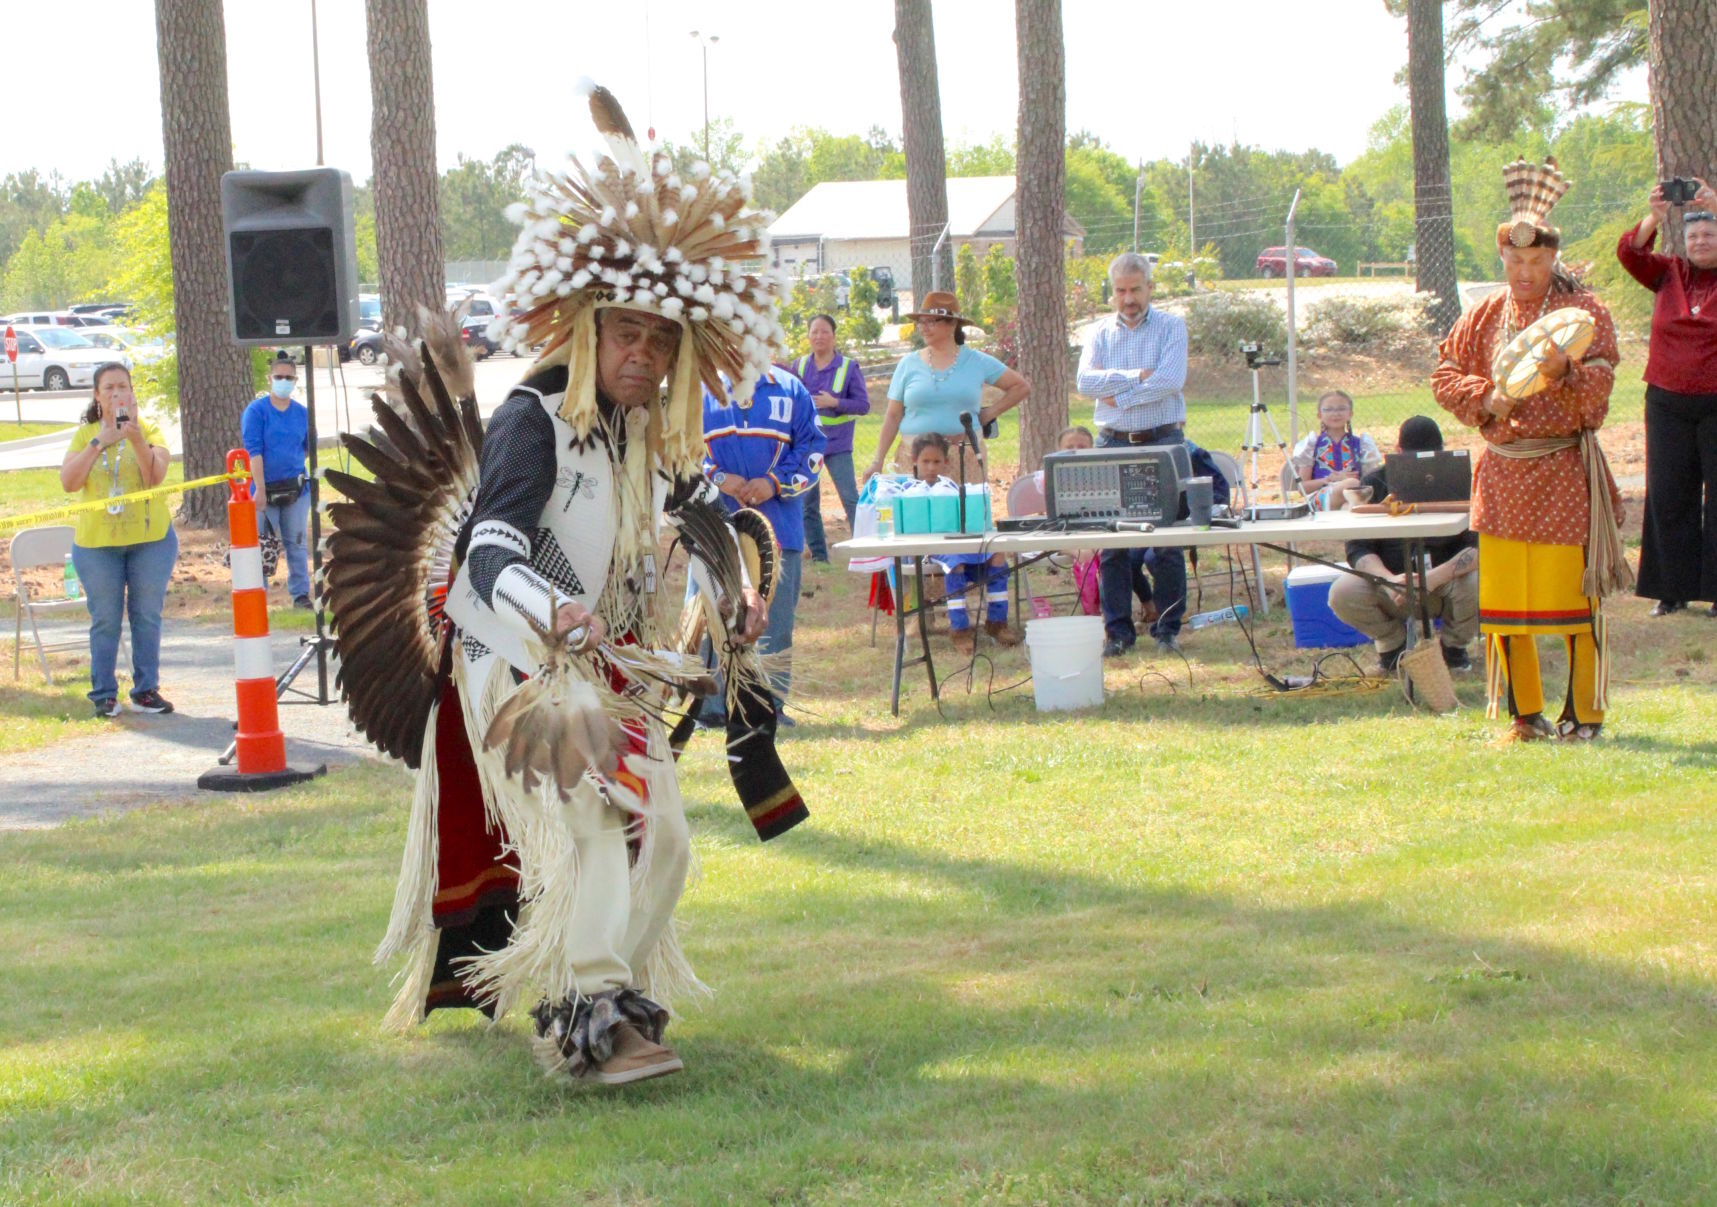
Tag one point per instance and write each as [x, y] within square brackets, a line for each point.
[144, 759]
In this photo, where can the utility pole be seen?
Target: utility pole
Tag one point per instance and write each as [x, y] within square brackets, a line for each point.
[706, 41]
[1293, 271]
[1191, 222]
[1138, 185]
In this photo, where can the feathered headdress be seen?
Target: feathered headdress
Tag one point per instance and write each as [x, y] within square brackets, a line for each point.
[632, 233]
[1533, 191]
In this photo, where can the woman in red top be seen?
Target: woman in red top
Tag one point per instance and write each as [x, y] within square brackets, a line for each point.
[1678, 547]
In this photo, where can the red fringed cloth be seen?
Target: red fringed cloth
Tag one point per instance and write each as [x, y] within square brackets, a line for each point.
[881, 598]
[477, 884]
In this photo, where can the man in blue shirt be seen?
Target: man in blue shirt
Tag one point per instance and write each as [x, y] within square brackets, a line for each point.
[1134, 365]
[766, 452]
[276, 435]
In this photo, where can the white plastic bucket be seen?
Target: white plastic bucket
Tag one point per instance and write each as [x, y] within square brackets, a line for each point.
[1066, 661]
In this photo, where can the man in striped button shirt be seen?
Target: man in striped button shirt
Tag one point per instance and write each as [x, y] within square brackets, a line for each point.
[1134, 365]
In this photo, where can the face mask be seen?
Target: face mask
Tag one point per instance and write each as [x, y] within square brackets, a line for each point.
[281, 386]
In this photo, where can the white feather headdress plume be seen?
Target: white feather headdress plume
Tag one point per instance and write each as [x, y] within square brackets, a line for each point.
[633, 233]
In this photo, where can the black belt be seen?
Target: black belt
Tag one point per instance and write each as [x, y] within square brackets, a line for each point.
[1155, 435]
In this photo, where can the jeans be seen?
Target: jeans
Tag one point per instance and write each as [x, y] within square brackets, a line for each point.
[292, 525]
[777, 638]
[121, 581]
[839, 470]
[1117, 570]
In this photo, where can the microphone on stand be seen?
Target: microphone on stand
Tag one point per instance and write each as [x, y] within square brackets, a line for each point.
[975, 437]
[971, 439]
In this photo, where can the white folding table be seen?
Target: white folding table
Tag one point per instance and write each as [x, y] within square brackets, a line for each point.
[1414, 530]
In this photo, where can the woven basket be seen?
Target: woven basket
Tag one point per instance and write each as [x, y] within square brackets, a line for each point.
[1428, 677]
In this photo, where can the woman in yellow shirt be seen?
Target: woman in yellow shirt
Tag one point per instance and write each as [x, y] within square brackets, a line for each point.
[124, 554]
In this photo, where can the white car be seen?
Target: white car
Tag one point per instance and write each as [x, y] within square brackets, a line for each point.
[55, 358]
[133, 348]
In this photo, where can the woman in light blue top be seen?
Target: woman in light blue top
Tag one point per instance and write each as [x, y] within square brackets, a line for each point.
[932, 386]
[930, 390]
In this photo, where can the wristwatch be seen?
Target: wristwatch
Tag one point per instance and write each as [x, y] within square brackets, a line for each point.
[718, 477]
[95, 442]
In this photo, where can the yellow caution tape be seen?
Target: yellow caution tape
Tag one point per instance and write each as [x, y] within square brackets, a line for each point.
[7, 523]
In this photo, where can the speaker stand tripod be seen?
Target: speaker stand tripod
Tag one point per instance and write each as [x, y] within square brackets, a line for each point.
[321, 643]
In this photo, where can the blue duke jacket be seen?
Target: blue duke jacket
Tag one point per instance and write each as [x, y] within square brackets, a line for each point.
[774, 436]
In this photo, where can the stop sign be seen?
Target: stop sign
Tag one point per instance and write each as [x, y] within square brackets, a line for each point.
[11, 345]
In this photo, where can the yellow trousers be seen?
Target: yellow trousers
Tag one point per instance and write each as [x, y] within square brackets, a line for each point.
[1526, 681]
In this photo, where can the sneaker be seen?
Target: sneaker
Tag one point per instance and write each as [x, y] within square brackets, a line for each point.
[1000, 633]
[1388, 660]
[1117, 647]
[107, 708]
[1169, 646]
[963, 641]
[635, 1058]
[1668, 607]
[151, 701]
[1456, 658]
[302, 603]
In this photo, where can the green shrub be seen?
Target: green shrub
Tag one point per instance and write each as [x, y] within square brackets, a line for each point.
[969, 283]
[1001, 291]
[859, 325]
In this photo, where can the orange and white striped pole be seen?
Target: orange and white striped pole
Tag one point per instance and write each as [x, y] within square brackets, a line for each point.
[261, 762]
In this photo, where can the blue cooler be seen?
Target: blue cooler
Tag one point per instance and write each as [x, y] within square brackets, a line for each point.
[1315, 626]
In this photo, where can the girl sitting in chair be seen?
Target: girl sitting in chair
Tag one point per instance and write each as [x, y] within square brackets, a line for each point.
[930, 464]
[1334, 458]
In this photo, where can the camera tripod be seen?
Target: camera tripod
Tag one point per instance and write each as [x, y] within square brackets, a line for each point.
[1254, 442]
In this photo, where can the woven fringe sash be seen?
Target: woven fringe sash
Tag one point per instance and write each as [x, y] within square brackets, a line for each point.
[1607, 569]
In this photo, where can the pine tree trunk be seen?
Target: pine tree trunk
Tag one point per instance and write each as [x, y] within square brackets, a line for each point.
[196, 138]
[1433, 207]
[1683, 64]
[402, 145]
[926, 163]
[1039, 206]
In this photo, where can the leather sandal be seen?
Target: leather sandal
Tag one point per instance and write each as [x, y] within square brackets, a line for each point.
[1530, 728]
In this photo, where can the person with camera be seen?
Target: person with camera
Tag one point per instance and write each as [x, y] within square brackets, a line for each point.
[1678, 543]
[276, 433]
[1134, 365]
[124, 552]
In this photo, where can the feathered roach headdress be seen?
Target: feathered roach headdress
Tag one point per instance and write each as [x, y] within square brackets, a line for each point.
[632, 233]
[1533, 191]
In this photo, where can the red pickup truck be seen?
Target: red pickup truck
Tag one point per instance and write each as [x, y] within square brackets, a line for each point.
[1273, 262]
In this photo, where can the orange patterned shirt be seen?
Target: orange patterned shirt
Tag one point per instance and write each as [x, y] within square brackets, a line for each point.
[1542, 500]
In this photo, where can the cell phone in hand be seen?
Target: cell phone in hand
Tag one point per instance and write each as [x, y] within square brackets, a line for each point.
[992, 429]
[1679, 190]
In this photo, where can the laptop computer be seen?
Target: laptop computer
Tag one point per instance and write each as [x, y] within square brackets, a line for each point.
[1444, 476]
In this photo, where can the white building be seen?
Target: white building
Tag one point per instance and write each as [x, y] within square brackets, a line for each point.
[842, 223]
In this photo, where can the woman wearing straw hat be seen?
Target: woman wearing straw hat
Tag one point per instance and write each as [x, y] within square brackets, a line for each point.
[930, 390]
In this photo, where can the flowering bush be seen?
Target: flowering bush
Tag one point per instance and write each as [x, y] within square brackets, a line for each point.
[1379, 323]
[1218, 323]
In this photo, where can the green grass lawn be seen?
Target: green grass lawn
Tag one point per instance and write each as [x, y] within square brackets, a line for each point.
[1205, 945]
[12, 430]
